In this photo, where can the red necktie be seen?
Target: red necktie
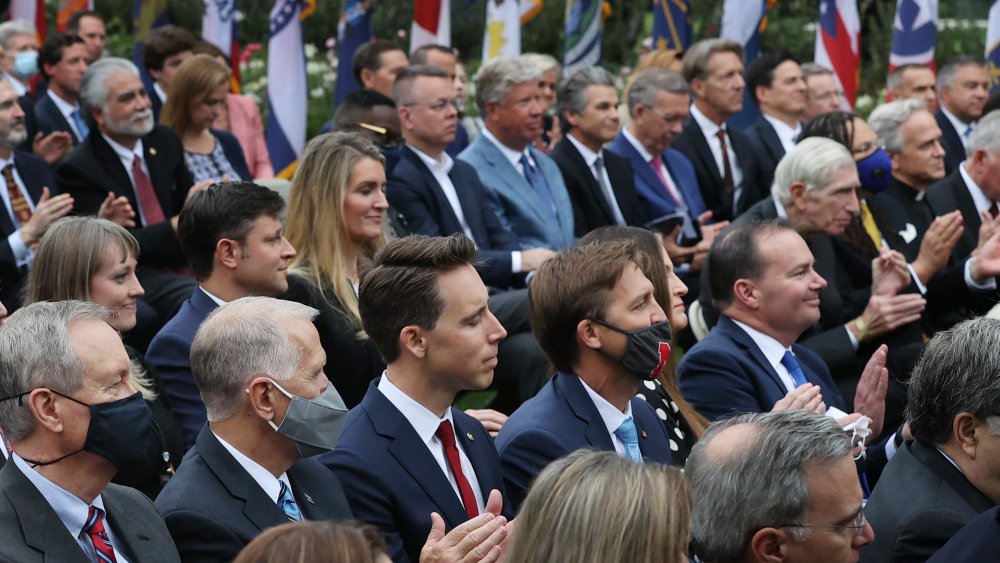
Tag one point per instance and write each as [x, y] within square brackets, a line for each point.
[148, 201]
[727, 177]
[94, 528]
[19, 205]
[994, 210]
[447, 437]
[656, 163]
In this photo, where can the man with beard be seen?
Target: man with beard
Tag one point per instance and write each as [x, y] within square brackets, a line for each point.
[29, 207]
[131, 157]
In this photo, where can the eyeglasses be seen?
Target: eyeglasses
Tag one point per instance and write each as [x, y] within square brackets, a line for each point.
[858, 525]
[668, 119]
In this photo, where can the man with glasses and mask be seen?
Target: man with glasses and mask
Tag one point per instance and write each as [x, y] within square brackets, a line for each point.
[776, 487]
[71, 419]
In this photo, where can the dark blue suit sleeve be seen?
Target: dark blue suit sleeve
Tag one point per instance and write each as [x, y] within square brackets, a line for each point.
[523, 456]
[201, 539]
[170, 355]
[716, 385]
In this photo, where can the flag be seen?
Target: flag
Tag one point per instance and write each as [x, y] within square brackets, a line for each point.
[838, 45]
[287, 84]
[503, 29]
[583, 34]
[529, 9]
[218, 27]
[353, 31]
[993, 45]
[672, 24]
[67, 8]
[431, 23]
[32, 11]
[742, 22]
[913, 33]
[147, 15]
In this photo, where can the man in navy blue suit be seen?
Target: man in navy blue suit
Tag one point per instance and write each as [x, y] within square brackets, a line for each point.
[233, 238]
[594, 314]
[963, 86]
[405, 453]
[63, 61]
[775, 83]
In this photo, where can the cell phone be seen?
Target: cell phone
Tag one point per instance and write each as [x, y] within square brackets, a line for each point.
[690, 233]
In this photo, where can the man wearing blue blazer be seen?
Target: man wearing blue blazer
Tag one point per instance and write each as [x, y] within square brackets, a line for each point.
[405, 453]
[594, 314]
[63, 61]
[525, 186]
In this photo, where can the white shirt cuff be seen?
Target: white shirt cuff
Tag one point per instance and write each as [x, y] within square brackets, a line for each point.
[854, 341]
[515, 262]
[916, 280]
[989, 284]
[22, 254]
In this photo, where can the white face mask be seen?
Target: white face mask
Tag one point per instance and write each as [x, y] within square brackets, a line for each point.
[859, 431]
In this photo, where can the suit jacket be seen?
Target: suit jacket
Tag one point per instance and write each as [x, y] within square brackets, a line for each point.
[516, 203]
[156, 103]
[36, 174]
[951, 142]
[767, 150]
[418, 198]
[655, 200]
[951, 194]
[977, 541]
[234, 154]
[30, 531]
[727, 374]
[590, 205]
[50, 119]
[919, 503]
[392, 480]
[693, 144]
[213, 507]
[245, 124]
[559, 420]
[93, 169]
[170, 354]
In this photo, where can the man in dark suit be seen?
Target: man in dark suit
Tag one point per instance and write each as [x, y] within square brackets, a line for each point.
[723, 158]
[913, 81]
[63, 61]
[600, 182]
[963, 87]
[979, 540]
[776, 86]
[28, 209]
[233, 238]
[72, 419]
[445, 58]
[259, 366]
[405, 453]
[163, 51]
[950, 472]
[594, 315]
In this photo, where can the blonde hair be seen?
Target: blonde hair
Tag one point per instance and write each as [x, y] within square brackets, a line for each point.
[194, 81]
[598, 507]
[316, 226]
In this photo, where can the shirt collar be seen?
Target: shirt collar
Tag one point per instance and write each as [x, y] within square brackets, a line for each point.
[957, 123]
[779, 207]
[160, 92]
[263, 477]
[510, 154]
[444, 165]
[769, 346]
[70, 509]
[612, 417]
[708, 127]
[423, 421]
[64, 107]
[786, 134]
[588, 155]
[218, 301]
[639, 148]
[982, 202]
[123, 152]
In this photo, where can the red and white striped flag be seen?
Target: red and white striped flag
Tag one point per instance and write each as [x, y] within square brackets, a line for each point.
[838, 45]
[431, 23]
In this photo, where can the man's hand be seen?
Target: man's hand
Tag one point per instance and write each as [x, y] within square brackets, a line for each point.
[709, 232]
[885, 313]
[938, 242]
[532, 258]
[678, 254]
[987, 229]
[51, 147]
[48, 210]
[869, 399]
[491, 420]
[986, 259]
[118, 210]
[478, 539]
[889, 273]
[806, 396]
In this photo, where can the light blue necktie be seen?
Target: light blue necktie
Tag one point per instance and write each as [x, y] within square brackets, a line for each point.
[537, 181]
[967, 132]
[629, 438]
[793, 367]
[286, 502]
[81, 125]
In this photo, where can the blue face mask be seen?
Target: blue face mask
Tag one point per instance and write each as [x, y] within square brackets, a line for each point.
[25, 64]
[875, 171]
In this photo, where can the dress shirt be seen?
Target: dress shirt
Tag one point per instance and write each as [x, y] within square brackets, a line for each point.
[709, 129]
[125, 156]
[983, 205]
[612, 417]
[603, 180]
[66, 109]
[647, 156]
[512, 155]
[263, 477]
[218, 301]
[787, 135]
[160, 92]
[959, 125]
[71, 510]
[426, 423]
[22, 254]
[18, 86]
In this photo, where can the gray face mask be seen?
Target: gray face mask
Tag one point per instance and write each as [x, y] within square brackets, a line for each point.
[313, 424]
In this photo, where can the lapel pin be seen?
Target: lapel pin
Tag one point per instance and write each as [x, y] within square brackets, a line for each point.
[469, 436]
[643, 433]
[308, 498]
[152, 151]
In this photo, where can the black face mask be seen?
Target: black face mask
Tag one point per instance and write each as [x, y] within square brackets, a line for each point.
[646, 351]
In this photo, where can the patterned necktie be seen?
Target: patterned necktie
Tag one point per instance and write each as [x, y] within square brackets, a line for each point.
[447, 437]
[19, 205]
[538, 182]
[94, 528]
[609, 194]
[627, 435]
[146, 195]
[286, 502]
[81, 125]
[793, 367]
[727, 176]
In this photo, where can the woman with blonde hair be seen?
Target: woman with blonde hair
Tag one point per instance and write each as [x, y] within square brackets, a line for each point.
[317, 542]
[599, 507]
[91, 259]
[196, 97]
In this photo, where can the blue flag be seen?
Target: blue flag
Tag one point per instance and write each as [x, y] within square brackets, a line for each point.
[583, 34]
[672, 24]
[993, 46]
[353, 31]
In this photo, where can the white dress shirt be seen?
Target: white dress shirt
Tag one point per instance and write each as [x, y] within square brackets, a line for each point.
[709, 129]
[959, 125]
[267, 481]
[512, 155]
[125, 156]
[22, 254]
[612, 417]
[983, 205]
[787, 135]
[66, 109]
[160, 92]
[603, 180]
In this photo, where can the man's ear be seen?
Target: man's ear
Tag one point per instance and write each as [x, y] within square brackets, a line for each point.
[261, 393]
[228, 252]
[745, 292]
[797, 193]
[413, 339]
[586, 331]
[964, 429]
[769, 545]
[47, 412]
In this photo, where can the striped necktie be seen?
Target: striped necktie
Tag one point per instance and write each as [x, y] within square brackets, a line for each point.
[94, 528]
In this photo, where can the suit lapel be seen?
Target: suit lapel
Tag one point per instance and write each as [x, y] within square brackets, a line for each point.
[484, 464]
[134, 534]
[157, 173]
[42, 528]
[704, 153]
[571, 388]
[970, 214]
[740, 337]
[512, 178]
[583, 170]
[435, 188]
[770, 138]
[118, 177]
[641, 169]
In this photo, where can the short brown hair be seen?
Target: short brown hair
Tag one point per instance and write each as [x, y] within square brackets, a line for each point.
[572, 286]
[193, 83]
[164, 42]
[315, 542]
[401, 287]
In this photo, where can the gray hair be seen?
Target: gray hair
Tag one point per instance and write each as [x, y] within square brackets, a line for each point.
[648, 83]
[36, 352]
[497, 77]
[957, 373]
[814, 69]
[572, 92]
[812, 162]
[696, 58]
[94, 88]
[240, 340]
[946, 75]
[11, 29]
[544, 62]
[759, 483]
[887, 119]
[986, 135]
[895, 79]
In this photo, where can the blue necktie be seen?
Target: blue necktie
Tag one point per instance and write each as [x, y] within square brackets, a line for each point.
[286, 502]
[81, 125]
[793, 367]
[629, 438]
[537, 181]
[967, 132]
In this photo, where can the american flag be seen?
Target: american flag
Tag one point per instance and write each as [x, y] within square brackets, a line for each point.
[838, 44]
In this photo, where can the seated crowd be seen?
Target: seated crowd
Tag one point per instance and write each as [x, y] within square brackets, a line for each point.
[200, 367]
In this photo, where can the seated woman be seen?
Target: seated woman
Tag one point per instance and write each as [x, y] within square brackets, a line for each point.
[196, 97]
[93, 259]
[317, 542]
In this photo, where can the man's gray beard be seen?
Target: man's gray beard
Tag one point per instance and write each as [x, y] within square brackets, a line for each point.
[131, 128]
[13, 138]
